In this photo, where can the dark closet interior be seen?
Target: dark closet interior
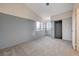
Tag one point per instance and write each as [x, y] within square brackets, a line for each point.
[58, 29]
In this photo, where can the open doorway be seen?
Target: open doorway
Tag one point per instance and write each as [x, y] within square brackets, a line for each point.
[58, 29]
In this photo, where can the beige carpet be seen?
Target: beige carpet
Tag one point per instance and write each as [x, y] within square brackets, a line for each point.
[41, 47]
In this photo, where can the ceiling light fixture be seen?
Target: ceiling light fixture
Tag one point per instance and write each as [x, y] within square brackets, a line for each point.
[47, 4]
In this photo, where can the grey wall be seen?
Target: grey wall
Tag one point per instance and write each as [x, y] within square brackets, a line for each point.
[67, 29]
[15, 30]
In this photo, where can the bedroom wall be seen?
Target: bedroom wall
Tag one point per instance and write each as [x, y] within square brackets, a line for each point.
[67, 29]
[15, 30]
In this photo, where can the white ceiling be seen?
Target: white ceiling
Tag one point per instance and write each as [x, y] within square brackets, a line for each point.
[53, 9]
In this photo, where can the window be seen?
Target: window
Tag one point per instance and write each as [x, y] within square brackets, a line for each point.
[38, 26]
[42, 26]
[48, 26]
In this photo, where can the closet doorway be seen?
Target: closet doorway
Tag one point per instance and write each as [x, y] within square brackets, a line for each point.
[58, 29]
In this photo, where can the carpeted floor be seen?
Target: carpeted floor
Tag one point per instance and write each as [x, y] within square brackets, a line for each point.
[45, 46]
